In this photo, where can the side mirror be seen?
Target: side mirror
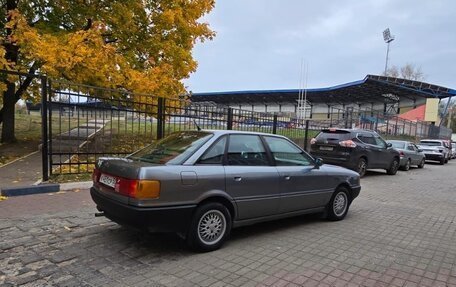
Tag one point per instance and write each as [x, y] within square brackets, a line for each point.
[420, 150]
[318, 162]
[389, 145]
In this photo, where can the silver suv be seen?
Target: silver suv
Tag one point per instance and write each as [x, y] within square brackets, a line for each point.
[435, 150]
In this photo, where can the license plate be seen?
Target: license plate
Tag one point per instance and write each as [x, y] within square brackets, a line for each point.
[326, 148]
[108, 180]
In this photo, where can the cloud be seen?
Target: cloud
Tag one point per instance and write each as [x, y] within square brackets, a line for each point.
[259, 44]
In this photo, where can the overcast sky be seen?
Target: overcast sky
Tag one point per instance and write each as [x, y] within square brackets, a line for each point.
[260, 43]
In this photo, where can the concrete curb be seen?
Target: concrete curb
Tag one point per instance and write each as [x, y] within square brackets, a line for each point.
[34, 189]
[44, 188]
[76, 185]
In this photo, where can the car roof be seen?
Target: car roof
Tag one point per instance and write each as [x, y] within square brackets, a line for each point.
[350, 130]
[227, 132]
[399, 141]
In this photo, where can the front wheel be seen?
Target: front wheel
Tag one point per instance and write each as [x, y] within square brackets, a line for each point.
[210, 226]
[338, 205]
[392, 170]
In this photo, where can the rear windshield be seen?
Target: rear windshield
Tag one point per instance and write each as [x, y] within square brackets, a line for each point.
[173, 149]
[400, 145]
[430, 143]
[337, 135]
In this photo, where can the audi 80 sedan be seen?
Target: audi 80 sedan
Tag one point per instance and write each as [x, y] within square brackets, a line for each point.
[201, 184]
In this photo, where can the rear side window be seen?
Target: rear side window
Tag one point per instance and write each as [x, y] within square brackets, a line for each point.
[247, 150]
[367, 138]
[214, 155]
[337, 135]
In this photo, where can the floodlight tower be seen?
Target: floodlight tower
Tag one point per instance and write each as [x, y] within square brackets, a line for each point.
[388, 39]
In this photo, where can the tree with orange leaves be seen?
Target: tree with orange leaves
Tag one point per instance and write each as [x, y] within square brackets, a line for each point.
[142, 46]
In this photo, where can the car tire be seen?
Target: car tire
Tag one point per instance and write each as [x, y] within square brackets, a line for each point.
[209, 228]
[446, 160]
[422, 162]
[361, 167]
[338, 206]
[406, 167]
[442, 161]
[394, 166]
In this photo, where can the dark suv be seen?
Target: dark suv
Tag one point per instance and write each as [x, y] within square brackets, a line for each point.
[355, 149]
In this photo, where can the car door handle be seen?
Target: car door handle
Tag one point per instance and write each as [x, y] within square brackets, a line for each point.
[287, 177]
[237, 178]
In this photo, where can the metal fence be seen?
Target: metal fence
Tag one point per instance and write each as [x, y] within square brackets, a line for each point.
[90, 122]
[82, 123]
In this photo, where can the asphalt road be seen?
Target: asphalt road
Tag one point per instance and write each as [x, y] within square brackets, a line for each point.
[401, 231]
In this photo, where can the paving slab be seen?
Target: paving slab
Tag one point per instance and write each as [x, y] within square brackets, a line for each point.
[401, 231]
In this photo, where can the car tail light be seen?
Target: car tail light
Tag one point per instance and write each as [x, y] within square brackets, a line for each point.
[140, 189]
[347, 143]
[401, 153]
[96, 175]
[313, 141]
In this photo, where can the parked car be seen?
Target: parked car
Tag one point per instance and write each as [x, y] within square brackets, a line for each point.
[435, 150]
[453, 149]
[200, 184]
[355, 149]
[410, 154]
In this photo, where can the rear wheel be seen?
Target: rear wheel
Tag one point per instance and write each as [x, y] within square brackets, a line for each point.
[361, 167]
[210, 226]
[406, 167]
[338, 205]
[392, 170]
[421, 165]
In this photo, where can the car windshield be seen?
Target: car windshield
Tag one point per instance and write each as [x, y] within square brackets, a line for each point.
[400, 145]
[173, 149]
[430, 143]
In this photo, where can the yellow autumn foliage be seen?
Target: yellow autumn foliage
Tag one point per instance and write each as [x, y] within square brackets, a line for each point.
[140, 46]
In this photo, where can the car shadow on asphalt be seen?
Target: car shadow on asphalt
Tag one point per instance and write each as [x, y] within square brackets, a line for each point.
[259, 229]
[144, 243]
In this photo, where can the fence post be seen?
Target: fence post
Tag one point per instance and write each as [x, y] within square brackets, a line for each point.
[274, 124]
[306, 134]
[44, 129]
[229, 120]
[376, 122]
[387, 126]
[160, 118]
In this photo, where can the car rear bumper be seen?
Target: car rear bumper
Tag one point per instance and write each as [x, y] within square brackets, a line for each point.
[153, 219]
[433, 156]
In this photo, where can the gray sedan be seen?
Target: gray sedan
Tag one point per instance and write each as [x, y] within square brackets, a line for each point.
[200, 184]
[410, 154]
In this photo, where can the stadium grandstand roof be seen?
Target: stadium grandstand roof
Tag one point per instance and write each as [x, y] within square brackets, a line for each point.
[372, 88]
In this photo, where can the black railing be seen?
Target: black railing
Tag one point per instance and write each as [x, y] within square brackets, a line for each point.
[84, 123]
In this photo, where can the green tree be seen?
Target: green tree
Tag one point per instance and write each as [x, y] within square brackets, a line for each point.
[143, 46]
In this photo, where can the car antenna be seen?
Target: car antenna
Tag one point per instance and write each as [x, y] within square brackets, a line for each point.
[197, 126]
